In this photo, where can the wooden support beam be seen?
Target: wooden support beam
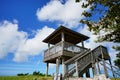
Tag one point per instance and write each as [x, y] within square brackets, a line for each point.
[98, 66]
[93, 65]
[87, 73]
[111, 68]
[48, 48]
[82, 44]
[76, 65]
[80, 75]
[48, 45]
[105, 69]
[63, 67]
[47, 67]
[57, 68]
[62, 37]
[94, 69]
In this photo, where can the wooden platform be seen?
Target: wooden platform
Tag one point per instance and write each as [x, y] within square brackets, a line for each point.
[62, 49]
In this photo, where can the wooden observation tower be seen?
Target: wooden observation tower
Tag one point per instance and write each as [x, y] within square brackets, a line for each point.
[63, 49]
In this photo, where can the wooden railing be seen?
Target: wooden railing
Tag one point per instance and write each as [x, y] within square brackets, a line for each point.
[63, 46]
[84, 59]
[98, 51]
[54, 49]
[72, 47]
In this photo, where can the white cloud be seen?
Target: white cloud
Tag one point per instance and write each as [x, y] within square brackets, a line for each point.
[14, 41]
[69, 13]
[10, 38]
[32, 46]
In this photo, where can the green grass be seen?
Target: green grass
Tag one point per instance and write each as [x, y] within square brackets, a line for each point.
[31, 78]
[25, 78]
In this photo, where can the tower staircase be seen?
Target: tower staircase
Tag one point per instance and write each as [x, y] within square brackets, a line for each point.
[80, 63]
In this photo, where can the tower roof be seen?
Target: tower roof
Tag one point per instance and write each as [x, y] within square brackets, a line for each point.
[69, 35]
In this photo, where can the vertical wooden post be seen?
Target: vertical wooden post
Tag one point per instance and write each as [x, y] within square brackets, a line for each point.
[98, 66]
[87, 73]
[48, 45]
[105, 69]
[63, 67]
[80, 75]
[57, 68]
[76, 65]
[47, 66]
[83, 44]
[94, 69]
[63, 37]
[49, 48]
[93, 64]
[111, 68]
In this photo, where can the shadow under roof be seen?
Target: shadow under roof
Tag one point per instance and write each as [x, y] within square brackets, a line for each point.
[69, 36]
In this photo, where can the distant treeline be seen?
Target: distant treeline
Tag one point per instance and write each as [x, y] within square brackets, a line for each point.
[36, 73]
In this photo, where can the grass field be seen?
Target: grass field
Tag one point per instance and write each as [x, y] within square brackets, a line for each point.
[25, 78]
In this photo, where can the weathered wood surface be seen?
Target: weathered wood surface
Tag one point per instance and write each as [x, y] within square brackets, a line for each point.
[62, 49]
[84, 61]
[84, 57]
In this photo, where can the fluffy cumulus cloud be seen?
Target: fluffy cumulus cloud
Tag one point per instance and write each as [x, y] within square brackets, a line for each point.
[32, 46]
[10, 38]
[15, 41]
[69, 13]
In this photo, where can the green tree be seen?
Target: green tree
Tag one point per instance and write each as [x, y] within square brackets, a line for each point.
[117, 61]
[108, 21]
[38, 73]
[22, 74]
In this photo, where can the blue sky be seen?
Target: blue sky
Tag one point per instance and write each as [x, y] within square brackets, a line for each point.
[23, 11]
[25, 23]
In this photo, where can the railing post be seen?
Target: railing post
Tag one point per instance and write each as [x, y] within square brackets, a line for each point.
[49, 48]
[63, 37]
[55, 48]
[83, 44]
